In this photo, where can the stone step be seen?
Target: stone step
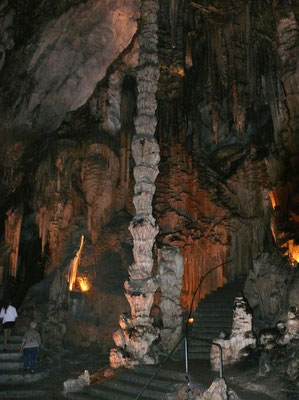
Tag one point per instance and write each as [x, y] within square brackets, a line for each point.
[199, 349]
[219, 296]
[24, 393]
[163, 373]
[12, 338]
[12, 346]
[213, 314]
[131, 377]
[207, 329]
[152, 391]
[128, 384]
[11, 377]
[82, 396]
[210, 323]
[199, 356]
[203, 335]
[11, 364]
[9, 355]
[215, 307]
[104, 394]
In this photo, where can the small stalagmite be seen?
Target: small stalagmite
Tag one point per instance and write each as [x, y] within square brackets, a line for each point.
[241, 339]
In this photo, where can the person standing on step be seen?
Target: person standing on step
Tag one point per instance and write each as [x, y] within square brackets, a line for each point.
[29, 347]
[8, 315]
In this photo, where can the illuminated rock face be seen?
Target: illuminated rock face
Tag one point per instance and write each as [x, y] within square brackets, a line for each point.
[135, 339]
[241, 338]
[271, 287]
[171, 270]
[72, 56]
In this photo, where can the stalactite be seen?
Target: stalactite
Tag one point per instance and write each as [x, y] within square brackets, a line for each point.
[100, 174]
[135, 339]
[74, 265]
[173, 14]
[42, 220]
[13, 223]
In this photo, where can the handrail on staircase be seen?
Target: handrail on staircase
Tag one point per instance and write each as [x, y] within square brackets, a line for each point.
[198, 287]
[185, 338]
[160, 367]
[220, 352]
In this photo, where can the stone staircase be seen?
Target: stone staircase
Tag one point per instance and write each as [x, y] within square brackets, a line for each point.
[14, 383]
[213, 315]
[128, 384]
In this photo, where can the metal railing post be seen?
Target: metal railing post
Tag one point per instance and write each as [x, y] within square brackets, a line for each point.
[220, 363]
[186, 356]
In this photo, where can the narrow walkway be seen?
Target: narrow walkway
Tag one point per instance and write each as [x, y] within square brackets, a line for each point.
[213, 315]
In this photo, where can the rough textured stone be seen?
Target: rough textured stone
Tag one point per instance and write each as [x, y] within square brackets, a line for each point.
[81, 44]
[218, 391]
[241, 339]
[267, 286]
[138, 331]
[75, 385]
[171, 269]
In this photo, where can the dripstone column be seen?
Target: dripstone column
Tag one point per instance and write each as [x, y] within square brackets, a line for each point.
[137, 333]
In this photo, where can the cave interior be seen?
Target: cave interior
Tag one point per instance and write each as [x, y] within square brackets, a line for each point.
[149, 157]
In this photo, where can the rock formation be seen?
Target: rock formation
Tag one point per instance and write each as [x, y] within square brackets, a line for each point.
[270, 288]
[218, 391]
[137, 335]
[241, 339]
[171, 270]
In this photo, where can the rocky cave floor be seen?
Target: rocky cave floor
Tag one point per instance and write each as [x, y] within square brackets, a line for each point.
[243, 378]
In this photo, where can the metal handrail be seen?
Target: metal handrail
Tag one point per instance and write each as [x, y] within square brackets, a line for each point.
[160, 367]
[198, 287]
[220, 352]
[184, 337]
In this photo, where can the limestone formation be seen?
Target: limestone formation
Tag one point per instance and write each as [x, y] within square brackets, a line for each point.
[13, 225]
[218, 391]
[171, 269]
[135, 339]
[7, 16]
[241, 339]
[75, 385]
[81, 43]
[269, 287]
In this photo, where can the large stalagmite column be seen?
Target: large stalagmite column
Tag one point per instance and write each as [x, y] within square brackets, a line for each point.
[135, 338]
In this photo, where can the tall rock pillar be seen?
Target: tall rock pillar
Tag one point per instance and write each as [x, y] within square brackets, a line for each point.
[137, 333]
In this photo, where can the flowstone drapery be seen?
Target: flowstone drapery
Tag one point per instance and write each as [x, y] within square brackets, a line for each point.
[137, 333]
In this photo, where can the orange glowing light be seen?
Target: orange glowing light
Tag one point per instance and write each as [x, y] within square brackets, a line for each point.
[273, 199]
[74, 265]
[84, 283]
[190, 320]
[292, 252]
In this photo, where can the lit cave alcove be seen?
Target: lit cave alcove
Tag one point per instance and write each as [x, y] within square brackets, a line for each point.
[149, 197]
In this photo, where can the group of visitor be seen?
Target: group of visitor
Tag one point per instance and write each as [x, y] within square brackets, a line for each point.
[31, 340]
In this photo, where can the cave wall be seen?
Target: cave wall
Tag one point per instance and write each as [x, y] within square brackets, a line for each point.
[227, 122]
[228, 117]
